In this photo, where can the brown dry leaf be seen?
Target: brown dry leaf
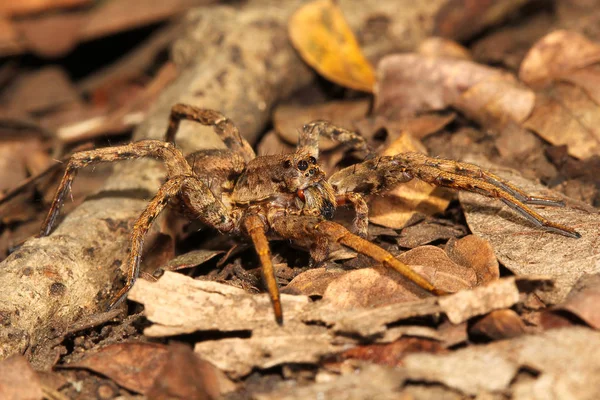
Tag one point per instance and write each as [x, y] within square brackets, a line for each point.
[442, 47]
[526, 249]
[46, 88]
[52, 35]
[416, 83]
[18, 380]
[428, 231]
[313, 282]
[564, 362]
[191, 259]
[24, 7]
[185, 376]
[398, 205]
[419, 126]
[461, 306]
[558, 55]
[499, 324]
[565, 114]
[289, 119]
[583, 300]
[391, 353]
[134, 366]
[320, 33]
[475, 253]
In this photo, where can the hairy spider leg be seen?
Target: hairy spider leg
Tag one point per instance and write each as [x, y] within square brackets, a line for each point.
[360, 224]
[309, 137]
[255, 228]
[222, 126]
[167, 191]
[297, 227]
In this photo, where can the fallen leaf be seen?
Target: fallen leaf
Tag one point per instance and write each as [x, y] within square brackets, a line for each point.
[191, 259]
[426, 232]
[320, 33]
[25, 7]
[46, 88]
[442, 47]
[419, 126]
[52, 35]
[583, 300]
[134, 366]
[556, 56]
[397, 206]
[18, 380]
[549, 355]
[313, 282]
[475, 253]
[289, 119]
[185, 376]
[565, 114]
[499, 324]
[416, 83]
[526, 249]
[391, 354]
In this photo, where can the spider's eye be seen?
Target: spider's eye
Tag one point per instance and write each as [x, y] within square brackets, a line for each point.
[312, 160]
[302, 165]
[287, 164]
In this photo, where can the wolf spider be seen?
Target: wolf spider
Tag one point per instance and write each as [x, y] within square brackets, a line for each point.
[286, 196]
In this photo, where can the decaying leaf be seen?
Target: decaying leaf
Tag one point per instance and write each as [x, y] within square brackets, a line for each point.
[191, 259]
[116, 362]
[499, 324]
[428, 231]
[18, 380]
[565, 114]
[583, 300]
[526, 249]
[398, 205]
[289, 119]
[492, 369]
[477, 254]
[313, 282]
[559, 55]
[419, 126]
[415, 83]
[323, 38]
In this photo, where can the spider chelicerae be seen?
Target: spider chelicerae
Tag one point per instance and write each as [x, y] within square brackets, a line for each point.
[286, 196]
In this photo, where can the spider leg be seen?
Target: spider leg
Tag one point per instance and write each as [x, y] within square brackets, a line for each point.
[361, 211]
[167, 191]
[255, 228]
[222, 126]
[300, 227]
[309, 137]
[175, 164]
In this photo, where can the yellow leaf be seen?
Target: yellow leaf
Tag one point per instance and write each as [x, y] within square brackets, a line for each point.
[324, 40]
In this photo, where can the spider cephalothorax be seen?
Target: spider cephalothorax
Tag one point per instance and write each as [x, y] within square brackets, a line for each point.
[288, 195]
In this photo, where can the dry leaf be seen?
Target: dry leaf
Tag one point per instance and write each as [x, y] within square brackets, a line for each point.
[475, 253]
[565, 114]
[320, 33]
[418, 126]
[46, 88]
[134, 366]
[313, 282]
[289, 119]
[557, 56]
[442, 47]
[18, 380]
[563, 363]
[526, 249]
[500, 324]
[414, 83]
[428, 231]
[398, 205]
[583, 300]
[24, 7]
[191, 259]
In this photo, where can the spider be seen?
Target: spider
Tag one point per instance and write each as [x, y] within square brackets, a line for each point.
[285, 196]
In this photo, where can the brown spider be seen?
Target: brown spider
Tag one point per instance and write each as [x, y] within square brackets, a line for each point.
[286, 196]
